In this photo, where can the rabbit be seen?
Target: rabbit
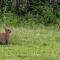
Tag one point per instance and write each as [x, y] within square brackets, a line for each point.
[4, 36]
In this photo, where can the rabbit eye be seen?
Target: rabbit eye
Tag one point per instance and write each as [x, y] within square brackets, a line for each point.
[8, 30]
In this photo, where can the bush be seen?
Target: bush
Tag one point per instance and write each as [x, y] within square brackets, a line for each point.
[40, 11]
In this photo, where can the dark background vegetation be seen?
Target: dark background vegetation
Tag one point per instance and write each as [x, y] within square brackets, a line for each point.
[35, 12]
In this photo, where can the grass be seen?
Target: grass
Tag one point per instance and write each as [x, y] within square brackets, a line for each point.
[32, 44]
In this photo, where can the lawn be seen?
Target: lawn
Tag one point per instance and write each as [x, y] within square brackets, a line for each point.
[32, 44]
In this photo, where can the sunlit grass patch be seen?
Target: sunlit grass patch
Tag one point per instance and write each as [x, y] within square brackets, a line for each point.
[31, 44]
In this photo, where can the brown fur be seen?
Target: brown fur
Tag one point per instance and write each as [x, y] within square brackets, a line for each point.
[4, 36]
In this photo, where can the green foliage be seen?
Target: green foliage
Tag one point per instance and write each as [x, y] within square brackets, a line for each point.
[40, 11]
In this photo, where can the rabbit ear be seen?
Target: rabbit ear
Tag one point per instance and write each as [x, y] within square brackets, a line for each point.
[5, 25]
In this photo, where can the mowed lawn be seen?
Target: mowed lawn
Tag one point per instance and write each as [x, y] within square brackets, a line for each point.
[32, 44]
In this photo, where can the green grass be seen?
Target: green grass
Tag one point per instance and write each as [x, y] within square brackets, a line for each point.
[32, 44]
